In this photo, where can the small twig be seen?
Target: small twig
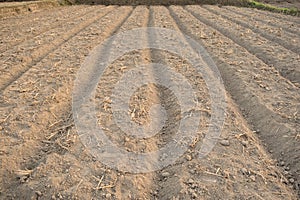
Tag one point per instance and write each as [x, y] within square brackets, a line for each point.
[23, 172]
[52, 135]
[265, 180]
[259, 196]
[279, 193]
[243, 150]
[55, 123]
[62, 146]
[68, 133]
[107, 186]
[99, 183]
[213, 174]
[59, 129]
[53, 115]
[7, 117]
[47, 142]
[64, 127]
[78, 185]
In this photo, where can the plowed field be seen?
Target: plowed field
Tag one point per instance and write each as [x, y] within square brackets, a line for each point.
[257, 155]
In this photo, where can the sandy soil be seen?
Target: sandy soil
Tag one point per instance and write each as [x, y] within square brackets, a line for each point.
[14, 8]
[257, 154]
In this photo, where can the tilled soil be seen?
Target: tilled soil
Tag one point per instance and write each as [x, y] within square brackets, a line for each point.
[9, 8]
[256, 155]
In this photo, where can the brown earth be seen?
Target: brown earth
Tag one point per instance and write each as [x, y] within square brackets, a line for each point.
[14, 8]
[257, 154]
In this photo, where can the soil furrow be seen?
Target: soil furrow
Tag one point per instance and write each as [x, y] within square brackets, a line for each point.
[127, 185]
[11, 38]
[173, 185]
[285, 61]
[31, 18]
[137, 19]
[266, 19]
[32, 54]
[48, 97]
[30, 45]
[43, 155]
[279, 16]
[261, 86]
[184, 184]
[288, 40]
[242, 83]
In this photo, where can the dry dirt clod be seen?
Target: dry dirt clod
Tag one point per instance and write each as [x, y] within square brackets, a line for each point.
[244, 171]
[245, 143]
[285, 173]
[127, 139]
[252, 177]
[292, 180]
[225, 142]
[190, 181]
[194, 195]
[188, 157]
[165, 174]
[38, 193]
